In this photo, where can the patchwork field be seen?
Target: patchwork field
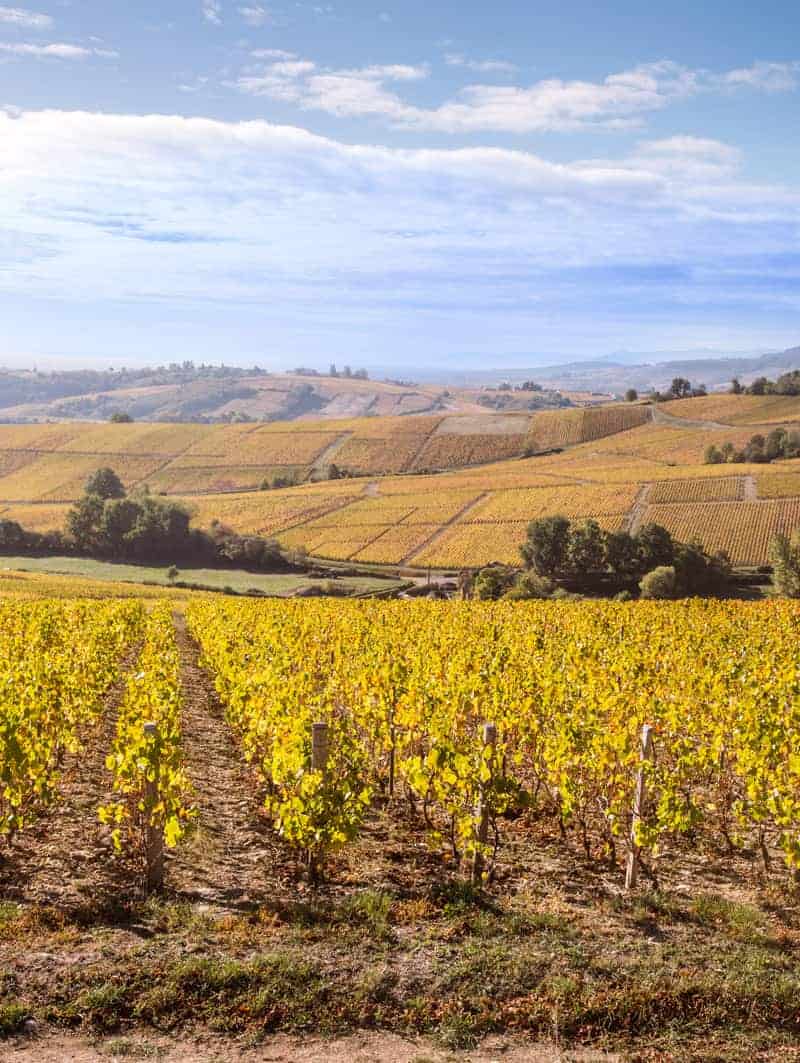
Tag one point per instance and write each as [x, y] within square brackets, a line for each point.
[51, 462]
[608, 463]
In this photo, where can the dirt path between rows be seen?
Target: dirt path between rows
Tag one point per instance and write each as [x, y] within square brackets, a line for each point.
[327, 454]
[366, 1047]
[226, 859]
[67, 859]
[633, 520]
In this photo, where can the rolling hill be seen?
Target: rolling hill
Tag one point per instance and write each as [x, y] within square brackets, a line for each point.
[613, 463]
[208, 394]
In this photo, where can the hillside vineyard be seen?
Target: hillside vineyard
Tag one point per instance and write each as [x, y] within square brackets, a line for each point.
[341, 707]
[443, 491]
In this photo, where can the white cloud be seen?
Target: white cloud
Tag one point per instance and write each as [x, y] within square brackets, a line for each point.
[279, 81]
[619, 101]
[56, 51]
[364, 244]
[282, 195]
[196, 86]
[272, 53]
[18, 16]
[339, 92]
[392, 72]
[255, 15]
[682, 159]
[212, 12]
[768, 77]
[480, 66]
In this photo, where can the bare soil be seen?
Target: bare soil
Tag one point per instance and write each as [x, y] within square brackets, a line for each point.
[231, 852]
[364, 1047]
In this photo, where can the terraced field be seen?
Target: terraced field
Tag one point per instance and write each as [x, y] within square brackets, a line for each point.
[468, 515]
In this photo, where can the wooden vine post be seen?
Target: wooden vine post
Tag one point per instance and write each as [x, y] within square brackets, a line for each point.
[153, 834]
[639, 797]
[392, 754]
[320, 747]
[489, 741]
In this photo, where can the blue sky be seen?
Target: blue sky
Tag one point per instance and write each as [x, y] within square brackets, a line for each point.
[393, 184]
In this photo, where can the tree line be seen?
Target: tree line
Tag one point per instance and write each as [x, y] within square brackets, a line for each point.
[759, 449]
[561, 556]
[107, 522]
[786, 384]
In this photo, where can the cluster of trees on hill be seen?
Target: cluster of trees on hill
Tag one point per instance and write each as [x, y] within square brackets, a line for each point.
[560, 555]
[760, 449]
[346, 372]
[24, 386]
[106, 522]
[786, 384]
[680, 388]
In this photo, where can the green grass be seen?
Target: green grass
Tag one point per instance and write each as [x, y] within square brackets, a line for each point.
[275, 585]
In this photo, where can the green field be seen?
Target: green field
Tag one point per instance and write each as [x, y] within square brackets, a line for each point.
[238, 580]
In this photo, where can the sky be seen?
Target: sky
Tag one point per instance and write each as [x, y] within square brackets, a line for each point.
[448, 184]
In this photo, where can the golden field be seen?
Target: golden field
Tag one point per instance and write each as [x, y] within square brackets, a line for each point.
[610, 463]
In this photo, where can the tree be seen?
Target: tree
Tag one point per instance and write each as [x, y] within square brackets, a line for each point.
[631, 395]
[680, 388]
[117, 524]
[172, 573]
[545, 549]
[713, 455]
[754, 451]
[622, 554]
[788, 383]
[661, 582]
[785, 557]
[492, 582]
[586, 549]
[791, 445]
[83, 522]
[12, 535]
[655, 547]
[121, 418]
[760, 386]
[736, 387]
[104, 483]
[776, 443]
[699, 573]
[528, 585]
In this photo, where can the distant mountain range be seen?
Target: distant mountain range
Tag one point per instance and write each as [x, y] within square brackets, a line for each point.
[186, 392]
[614, 375]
